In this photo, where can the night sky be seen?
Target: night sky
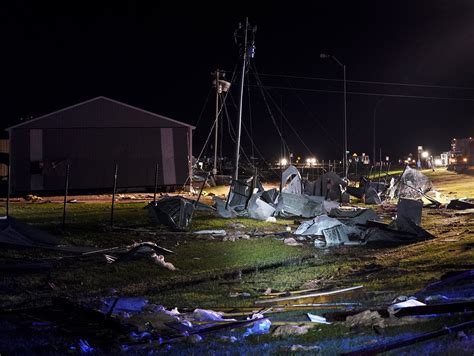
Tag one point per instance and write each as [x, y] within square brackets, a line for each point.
[159, 57]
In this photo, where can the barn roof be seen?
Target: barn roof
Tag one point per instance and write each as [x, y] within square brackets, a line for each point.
[73, 114]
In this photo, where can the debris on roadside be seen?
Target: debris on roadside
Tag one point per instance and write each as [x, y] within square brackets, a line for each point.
[461, 204]
[248, 198]
[174, 212]
[33, 198]
[290, 241]
[317, 319]
[290, 330]
[366, 318]
[215, 233]
[143, 250]
[13, 232]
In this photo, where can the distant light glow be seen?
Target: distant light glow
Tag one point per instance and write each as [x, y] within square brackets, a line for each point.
[438, 162]
[283, 162]
[425, 154]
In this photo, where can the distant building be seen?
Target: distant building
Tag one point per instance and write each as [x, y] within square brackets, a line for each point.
[92, 137]
[462, 151]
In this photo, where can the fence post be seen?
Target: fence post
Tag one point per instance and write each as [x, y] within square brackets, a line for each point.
[156, 184]
[113, 196]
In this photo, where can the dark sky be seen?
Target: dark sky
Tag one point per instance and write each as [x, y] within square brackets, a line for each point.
[159, 57]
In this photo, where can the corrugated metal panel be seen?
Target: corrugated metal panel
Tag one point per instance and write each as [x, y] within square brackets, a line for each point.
[101, 112]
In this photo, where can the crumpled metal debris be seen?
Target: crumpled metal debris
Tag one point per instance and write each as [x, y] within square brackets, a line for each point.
[293, 175]
[317, 225]
[330, 186]
[174, 212]
[240, 194]
[248, 198]
[410, 209]
[412, 184]
[143, 250]
[400, 231]
[258, 208]
[461, 204]
[16, 233]
[299, 205]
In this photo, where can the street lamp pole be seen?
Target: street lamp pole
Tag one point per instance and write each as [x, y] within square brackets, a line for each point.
[375, 112]
[344, 160]
[345, 122]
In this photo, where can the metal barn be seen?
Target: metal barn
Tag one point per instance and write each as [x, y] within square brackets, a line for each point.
[92, 137]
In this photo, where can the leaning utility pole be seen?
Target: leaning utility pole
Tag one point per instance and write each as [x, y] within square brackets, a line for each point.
[246, 52]
[221, 87]
[216, 133]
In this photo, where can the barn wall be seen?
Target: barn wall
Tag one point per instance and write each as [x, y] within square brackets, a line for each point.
[92, 155]
[20, 160]
[4, 156]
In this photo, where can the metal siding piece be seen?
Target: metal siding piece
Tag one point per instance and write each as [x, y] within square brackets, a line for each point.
[36, 145]
[167, 152]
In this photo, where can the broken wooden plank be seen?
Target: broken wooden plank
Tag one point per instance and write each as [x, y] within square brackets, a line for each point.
[304, 296]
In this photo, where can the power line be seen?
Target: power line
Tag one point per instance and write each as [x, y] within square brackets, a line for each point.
[203, 107]
[314, 116]
[365, 93]
[366, 81]
[259, 82]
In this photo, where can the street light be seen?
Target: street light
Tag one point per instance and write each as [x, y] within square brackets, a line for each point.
[344, 161]
[375, 112]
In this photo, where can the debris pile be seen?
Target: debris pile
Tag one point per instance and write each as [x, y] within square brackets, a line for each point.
[359, 226]
[297, 198]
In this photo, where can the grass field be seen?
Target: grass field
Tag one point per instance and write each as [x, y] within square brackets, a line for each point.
[210, 270]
